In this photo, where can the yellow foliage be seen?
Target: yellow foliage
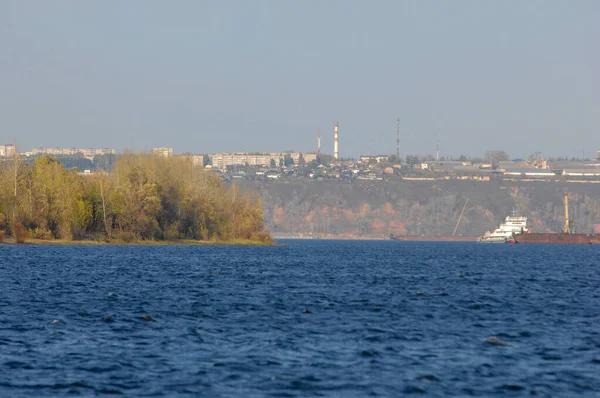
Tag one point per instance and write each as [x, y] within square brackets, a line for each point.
[144, 197]
[365, 209]
[389, 209]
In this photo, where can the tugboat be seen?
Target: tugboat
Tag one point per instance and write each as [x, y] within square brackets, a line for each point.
[506, 232]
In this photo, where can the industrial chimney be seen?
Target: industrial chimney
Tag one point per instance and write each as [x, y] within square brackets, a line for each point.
[319, 142]
[336, 138]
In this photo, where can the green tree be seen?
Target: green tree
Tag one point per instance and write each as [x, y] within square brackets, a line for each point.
[412, 160]
[496, 156]
[325, 160]
[288, 160]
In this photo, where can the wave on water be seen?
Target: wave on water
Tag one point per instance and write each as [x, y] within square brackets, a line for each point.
[309, 318]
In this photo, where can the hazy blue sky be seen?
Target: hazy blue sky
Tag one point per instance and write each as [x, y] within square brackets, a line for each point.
[225, 75]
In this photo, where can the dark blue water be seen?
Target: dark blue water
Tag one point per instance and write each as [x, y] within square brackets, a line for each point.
[313, 318]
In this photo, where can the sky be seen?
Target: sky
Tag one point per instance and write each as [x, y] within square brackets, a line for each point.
[207, 76]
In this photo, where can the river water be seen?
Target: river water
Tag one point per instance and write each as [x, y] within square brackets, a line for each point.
[307, 318]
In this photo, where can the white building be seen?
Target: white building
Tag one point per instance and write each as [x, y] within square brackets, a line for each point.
[7, 150]
[223, 160]
[86, 152]
[197, 160]
[164, 152]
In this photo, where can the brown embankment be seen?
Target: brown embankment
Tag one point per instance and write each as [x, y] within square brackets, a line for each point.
[377, 209]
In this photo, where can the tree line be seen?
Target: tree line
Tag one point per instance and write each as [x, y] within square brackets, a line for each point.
[144, 197]
[97, 163]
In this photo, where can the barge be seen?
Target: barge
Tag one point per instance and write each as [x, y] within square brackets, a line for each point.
[566, 236]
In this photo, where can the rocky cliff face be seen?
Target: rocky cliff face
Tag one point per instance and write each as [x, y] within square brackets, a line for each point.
[377, 208]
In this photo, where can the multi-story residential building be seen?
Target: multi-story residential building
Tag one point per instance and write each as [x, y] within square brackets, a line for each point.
[7, 150]
[259, 160]
[197, 160]
[91, 152]
[164, 152]
[55, 151]
[86, 152]
[224, 160]
[294, 155]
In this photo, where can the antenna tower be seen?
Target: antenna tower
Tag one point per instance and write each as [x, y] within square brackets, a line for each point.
[398, 140]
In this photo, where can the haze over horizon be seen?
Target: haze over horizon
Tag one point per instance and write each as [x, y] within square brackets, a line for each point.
[224, 76]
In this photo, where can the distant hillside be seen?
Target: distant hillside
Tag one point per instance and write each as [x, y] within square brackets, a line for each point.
[376, 208]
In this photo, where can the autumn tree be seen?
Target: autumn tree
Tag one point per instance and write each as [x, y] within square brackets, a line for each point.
[143, 198]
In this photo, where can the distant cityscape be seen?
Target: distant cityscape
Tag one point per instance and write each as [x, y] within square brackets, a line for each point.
[10, 150]
[235, 160]
[232, 161]
[320, 167]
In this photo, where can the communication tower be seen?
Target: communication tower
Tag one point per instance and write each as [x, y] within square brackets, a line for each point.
[398, 140]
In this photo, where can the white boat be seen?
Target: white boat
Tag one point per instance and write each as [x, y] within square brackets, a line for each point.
[506, 231]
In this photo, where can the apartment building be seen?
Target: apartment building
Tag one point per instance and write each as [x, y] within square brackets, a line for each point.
[86, 152]
[7, 150]
[309, 157]
[197, 160]
[164, 152]
[224, 160]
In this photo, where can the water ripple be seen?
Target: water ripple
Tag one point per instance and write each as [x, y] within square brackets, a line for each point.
[313, 318]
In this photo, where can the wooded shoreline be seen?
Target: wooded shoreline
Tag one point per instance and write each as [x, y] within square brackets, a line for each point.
[146, 199]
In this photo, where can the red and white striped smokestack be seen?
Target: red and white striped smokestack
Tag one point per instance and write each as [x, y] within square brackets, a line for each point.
[336, 138]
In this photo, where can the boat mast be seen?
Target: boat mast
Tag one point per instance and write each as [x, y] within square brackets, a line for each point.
[566, 228]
